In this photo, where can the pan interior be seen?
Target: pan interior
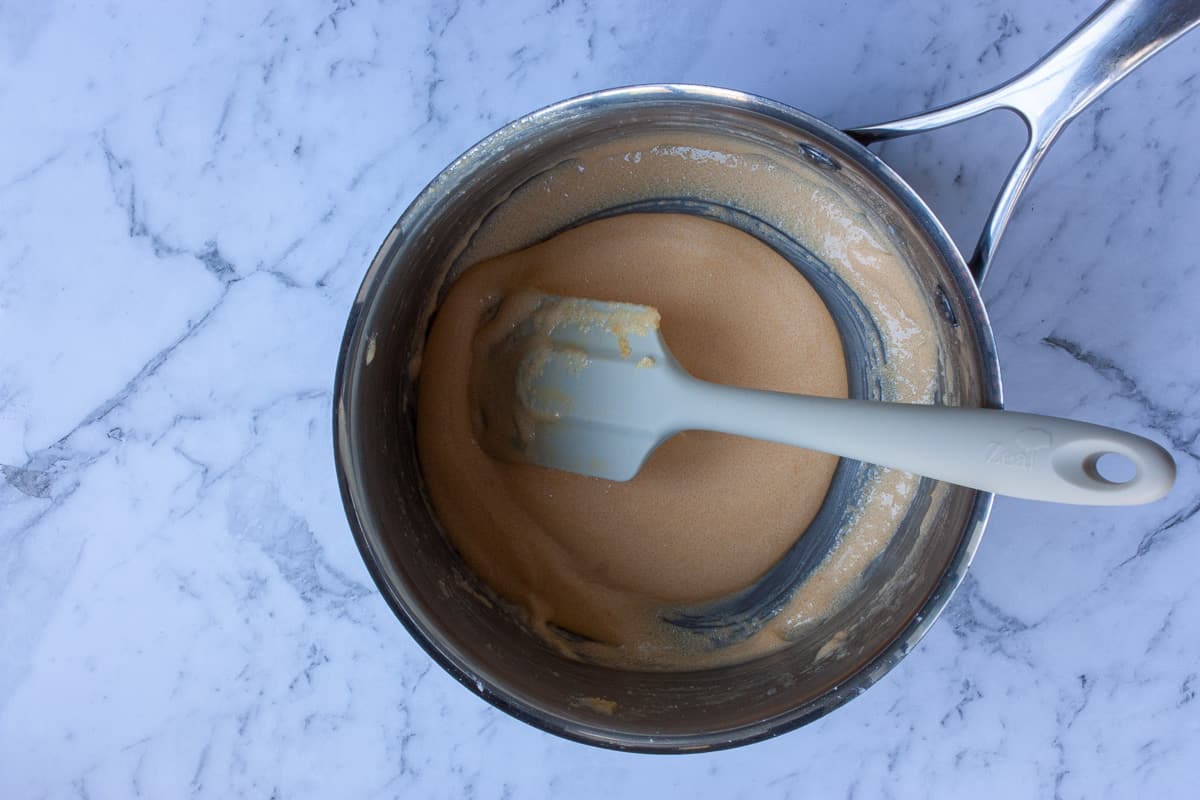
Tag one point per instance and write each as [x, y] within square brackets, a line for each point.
[886, 548]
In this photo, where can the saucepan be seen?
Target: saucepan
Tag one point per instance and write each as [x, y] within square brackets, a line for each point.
[494, 199]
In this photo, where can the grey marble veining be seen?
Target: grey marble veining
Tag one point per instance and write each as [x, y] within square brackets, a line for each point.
[190, 194]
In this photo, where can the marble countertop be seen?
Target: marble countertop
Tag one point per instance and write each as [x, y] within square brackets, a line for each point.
[190, 194]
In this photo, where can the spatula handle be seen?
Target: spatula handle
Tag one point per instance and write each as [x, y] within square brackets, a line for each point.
[1006, 452]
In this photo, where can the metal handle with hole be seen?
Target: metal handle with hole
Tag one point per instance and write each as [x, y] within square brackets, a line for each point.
[1104, 49]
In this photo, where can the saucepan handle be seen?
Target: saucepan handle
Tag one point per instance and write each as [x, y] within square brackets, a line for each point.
[1103, 50]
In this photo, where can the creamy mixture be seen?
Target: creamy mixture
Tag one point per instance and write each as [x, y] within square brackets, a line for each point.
[709, 513]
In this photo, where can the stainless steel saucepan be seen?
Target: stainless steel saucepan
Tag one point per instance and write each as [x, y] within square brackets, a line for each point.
[487, 202]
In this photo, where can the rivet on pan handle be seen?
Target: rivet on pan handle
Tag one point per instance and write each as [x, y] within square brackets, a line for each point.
[1104, 49]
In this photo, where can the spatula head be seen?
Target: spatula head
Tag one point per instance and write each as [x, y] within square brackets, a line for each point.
[578, 385]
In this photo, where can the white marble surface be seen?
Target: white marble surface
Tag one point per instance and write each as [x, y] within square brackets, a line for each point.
[189, 196]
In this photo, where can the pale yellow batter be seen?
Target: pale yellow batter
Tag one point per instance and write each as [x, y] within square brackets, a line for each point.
[709, 513]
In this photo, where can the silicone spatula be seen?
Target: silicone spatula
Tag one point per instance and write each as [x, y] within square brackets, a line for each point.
[594, 389]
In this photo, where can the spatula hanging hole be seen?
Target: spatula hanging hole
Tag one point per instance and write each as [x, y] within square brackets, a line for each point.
[1115, 468]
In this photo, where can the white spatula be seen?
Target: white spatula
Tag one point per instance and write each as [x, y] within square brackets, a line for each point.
[597, 390]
